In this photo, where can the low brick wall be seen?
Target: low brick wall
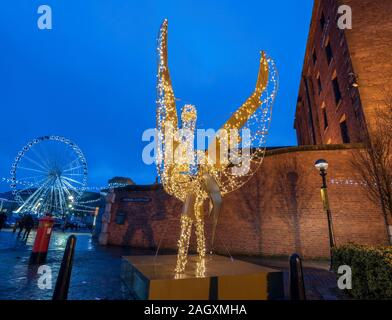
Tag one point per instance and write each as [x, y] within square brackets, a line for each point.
[277, 212]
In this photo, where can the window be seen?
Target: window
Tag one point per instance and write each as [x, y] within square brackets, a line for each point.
[336, 90]
[311, 86]
[344, 132]
[322, 21]
[314, 56]
[319, 86]
[325, 117]
[328, 52]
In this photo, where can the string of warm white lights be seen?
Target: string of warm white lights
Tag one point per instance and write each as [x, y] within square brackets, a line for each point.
[90, 201]
[85, 211]
[183, 243]
[83, 206]
[199, 221]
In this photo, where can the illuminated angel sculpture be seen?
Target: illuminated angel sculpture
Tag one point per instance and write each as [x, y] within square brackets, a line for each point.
[207, 175]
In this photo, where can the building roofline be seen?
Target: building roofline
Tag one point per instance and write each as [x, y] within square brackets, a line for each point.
[319, 147]
[313, 18]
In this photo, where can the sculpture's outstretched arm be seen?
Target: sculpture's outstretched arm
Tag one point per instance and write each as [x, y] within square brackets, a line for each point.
[164, 83]
[242, 115]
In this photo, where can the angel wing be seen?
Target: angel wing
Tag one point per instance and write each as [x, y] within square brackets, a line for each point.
[240, 117]
[219, 180]
[166, 99]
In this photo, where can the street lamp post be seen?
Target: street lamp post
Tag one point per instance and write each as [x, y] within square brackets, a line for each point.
[322, 166]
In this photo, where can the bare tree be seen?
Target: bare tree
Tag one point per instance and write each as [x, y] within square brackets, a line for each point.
[374, 162]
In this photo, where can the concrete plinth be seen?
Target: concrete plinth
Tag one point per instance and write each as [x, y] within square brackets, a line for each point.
[219, 278]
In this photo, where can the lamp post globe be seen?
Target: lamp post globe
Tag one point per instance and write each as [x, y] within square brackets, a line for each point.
[322, 166]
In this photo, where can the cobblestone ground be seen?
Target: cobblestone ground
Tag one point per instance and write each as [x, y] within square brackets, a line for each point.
[96, 270]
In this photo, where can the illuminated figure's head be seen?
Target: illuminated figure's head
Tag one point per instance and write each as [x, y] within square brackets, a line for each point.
[188, 117]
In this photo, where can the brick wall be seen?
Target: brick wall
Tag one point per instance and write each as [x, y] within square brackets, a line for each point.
[363, 51]
[370, 48]
[276, 213]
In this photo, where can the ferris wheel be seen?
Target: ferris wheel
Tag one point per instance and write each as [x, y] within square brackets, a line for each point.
[48, 176]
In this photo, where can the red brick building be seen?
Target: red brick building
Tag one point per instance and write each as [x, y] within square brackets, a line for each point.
[346, 72]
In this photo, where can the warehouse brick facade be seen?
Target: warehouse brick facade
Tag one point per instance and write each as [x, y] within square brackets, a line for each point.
[346, 74]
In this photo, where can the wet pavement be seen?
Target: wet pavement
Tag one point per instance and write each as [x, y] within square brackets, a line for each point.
[320, 283]
[96, 272]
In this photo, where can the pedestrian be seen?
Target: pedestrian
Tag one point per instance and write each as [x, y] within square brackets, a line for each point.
[21, 225]
[28, 224]
[3, 219]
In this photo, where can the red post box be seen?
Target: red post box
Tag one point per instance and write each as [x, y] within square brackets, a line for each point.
[42, 239]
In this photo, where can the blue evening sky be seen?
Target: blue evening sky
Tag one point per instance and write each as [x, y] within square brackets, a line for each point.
[92, 77]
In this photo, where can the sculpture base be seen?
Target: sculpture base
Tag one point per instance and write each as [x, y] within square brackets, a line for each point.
[153, 278]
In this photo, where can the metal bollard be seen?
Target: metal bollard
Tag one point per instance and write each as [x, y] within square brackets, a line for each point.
[297, 285]
[64, 277]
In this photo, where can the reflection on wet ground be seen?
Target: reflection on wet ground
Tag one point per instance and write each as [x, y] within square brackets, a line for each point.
[97, 270]
[95, 274]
